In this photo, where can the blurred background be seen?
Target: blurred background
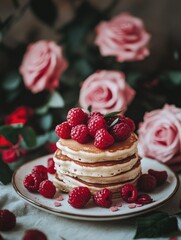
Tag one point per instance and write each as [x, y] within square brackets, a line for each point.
[71, 24]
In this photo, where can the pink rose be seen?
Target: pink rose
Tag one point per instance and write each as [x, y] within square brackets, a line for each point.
[42, 65]
[106, 91]
[123, 37]
[160, 134]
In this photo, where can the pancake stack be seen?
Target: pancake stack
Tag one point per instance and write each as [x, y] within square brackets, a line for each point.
[79, 164]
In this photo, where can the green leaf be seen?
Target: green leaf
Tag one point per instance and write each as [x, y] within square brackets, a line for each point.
[52, 137]
[45, 121]
[42, 109]
[10, 133]
[83, 67]
[47, 13]
[89, 108]
[40, 141]
[56, 100]
[132, 78]
[156, 224]
[111, 114]
[12, 95]
[175, 77]
[5, 173]
[11, 81]
[29, 136]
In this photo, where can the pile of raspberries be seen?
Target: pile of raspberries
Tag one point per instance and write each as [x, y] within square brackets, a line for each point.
[103, 129]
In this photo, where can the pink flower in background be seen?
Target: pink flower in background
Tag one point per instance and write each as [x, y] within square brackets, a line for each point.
[123, 37]
[106, 91]
[160, 134]
[42, 66]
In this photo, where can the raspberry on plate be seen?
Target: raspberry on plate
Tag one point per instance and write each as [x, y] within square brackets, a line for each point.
[7, 220]
[129, 193]
[161, 176]
[34, 234]
[95, 123]
[41, 171]
[47, 189]
[144, 199]
[32, 182]
[147, 183]
[63, 130]
[79, 197]
[51, 166]
[121, 131]
[103, 139]
[80, 133]
[103, 198]
[76, 116]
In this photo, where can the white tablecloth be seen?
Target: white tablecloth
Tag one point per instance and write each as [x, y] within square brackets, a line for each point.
[57, 228]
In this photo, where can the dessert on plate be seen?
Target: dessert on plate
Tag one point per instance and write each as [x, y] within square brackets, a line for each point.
[96, 151]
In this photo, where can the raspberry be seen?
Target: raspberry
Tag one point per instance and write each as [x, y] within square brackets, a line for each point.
[34, 234]
[103, 139]
[79, 197]
[32, 182]
[129, 121]
[51, 166]
[147, 182]
[95, 123]
[7, 220]
[47, 189]
[129, 193]
[80, 133]
[63, 130]
[41, 171]
[76, 116]
[121, 131]
[161, 176]
[94, 114]
[103, 198]
[144, 199]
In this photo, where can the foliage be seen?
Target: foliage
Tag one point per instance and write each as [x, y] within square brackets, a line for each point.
[157, 224]
[153, 88]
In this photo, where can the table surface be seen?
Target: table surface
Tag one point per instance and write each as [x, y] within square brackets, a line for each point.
[59, 228]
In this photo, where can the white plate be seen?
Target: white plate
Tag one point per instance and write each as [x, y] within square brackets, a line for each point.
[91, 212]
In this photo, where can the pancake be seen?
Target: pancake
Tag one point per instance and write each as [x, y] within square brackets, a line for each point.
[89, 153]
[66, 165]
[121, 177]
[67, 183]
[85, 165]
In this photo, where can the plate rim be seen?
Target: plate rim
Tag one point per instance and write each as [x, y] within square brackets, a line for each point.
[91, 217]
